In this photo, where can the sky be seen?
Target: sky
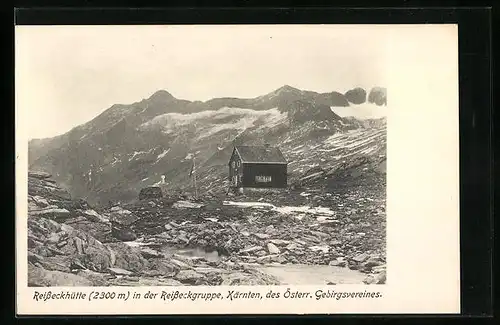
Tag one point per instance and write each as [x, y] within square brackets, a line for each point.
[67, 75]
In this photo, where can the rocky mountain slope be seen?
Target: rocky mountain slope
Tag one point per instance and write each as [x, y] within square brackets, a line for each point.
[129, 147]
[172, 241]
[72, 244]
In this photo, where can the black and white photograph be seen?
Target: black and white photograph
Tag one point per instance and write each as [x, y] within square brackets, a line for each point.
[205, 155]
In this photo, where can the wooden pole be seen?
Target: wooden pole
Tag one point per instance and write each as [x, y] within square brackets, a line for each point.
[194, 177]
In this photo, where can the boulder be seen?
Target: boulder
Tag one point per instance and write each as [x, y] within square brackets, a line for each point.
[180, 264]
[34, 258]
[127, 257]
[279, 242]
[39, 277]
[320, 235]
[249, 278]
[95, 217]
[160, 267]
[39, 201]
[123, 233]
[100, 231]
[378, 269]
[182, 239]
[261, 236]
[144, 282]
[272, 248]
[147, 252]
[124, 217]
[55, 237]
[280, 259]
[261, 253]
[379, 278]
[95, 258]
[318, 248]
[67, 228]
[270, 229]
[360, 258]
[209, 270]
[373, 261]
[266, 258]
[251, 249]
[57, 263]
[152, 192]
[98, 279]
[39, 174]
[292, 246]
[186, 205]
[52, 212]
[338, 263]
[189, 277]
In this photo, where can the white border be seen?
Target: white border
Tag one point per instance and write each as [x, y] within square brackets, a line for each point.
[422, 209]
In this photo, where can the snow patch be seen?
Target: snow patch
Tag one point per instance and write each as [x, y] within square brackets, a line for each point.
[212, 122]
[304, 209]
[163, 154]
[115, 161]
[248, 204]
[363, 111]
[186, 205]
[136, 153]
[284, 209]
[134, 243]
[120, 210]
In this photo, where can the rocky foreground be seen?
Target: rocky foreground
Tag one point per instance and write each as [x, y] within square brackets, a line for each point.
[140, 244]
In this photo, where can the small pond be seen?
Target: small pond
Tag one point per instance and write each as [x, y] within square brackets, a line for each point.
[297, 274]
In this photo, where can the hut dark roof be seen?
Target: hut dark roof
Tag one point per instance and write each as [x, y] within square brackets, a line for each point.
[260, 154]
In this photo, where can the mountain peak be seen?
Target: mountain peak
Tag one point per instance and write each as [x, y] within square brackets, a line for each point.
[161, 95]
[288, 88]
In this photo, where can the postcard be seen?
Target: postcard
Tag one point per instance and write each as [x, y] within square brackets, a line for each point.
[237, 169]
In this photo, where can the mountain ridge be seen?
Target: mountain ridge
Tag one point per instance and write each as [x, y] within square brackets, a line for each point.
[163, 96]
[127, 147]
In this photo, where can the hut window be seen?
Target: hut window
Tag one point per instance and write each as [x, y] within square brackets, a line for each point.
[263, 179]
[233, 164]
[239, 164]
